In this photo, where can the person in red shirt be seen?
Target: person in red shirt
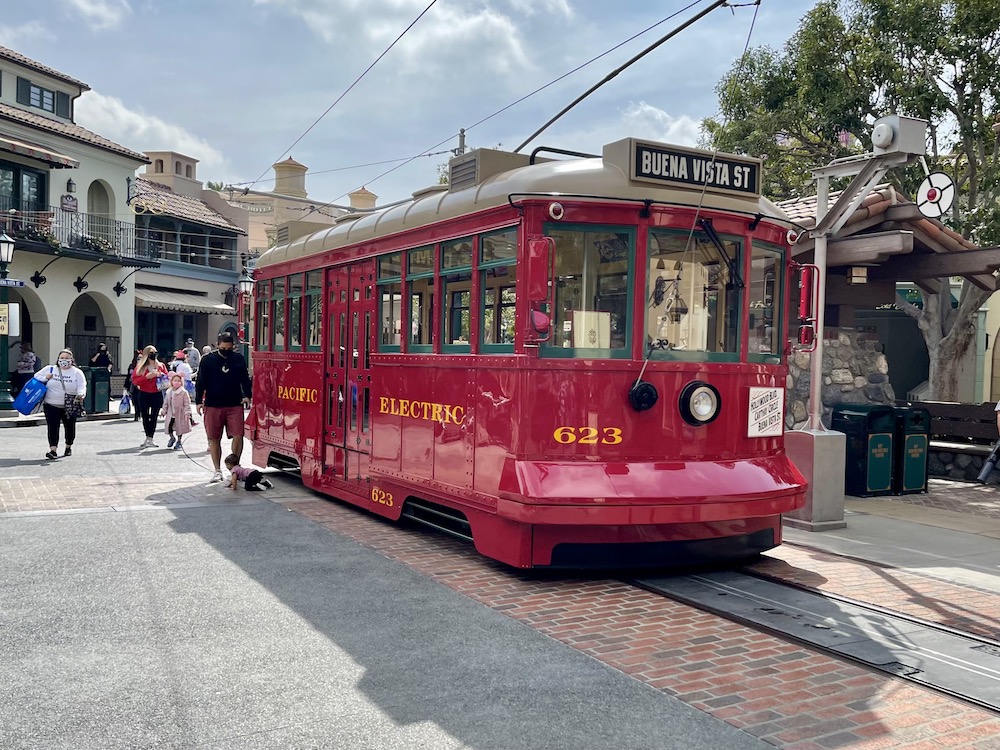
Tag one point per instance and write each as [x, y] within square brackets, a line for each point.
[149, 397]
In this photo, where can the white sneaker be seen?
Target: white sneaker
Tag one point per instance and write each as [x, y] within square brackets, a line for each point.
[145, 443]
[267, 483]
[216, 477]
[151, 444]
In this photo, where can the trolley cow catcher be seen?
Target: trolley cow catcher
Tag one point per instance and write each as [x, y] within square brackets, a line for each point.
[568, 361]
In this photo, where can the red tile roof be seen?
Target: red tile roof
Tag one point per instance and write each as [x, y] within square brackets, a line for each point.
[67, 130]
[154, 198]
[27, 62]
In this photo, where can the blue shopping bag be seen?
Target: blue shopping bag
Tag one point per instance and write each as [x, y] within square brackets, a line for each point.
[31, 396]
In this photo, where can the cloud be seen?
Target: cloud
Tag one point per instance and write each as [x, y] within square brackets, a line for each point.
[110, 118]
[101, 14]
[12, 36]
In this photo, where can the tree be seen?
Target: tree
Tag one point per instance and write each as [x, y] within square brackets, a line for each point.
[852, 62]
[214, 186]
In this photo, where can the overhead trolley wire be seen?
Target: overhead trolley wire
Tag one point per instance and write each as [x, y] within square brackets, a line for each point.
[348, 89]
[672, 33]
[426, 152]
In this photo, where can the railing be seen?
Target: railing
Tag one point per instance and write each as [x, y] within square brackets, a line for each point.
[78, 231]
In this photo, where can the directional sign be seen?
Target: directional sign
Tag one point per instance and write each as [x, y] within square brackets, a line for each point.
[11, 282]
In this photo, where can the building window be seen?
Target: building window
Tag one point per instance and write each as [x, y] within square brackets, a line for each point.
[177, 167]
[187, 170]
[158, 166]
[22, 188]
[32, 95]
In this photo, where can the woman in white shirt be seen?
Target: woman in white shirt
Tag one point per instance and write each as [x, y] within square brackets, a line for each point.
[61, 380]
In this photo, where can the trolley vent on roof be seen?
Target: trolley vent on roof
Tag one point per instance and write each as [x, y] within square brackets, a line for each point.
[281, 234]
[475, 167]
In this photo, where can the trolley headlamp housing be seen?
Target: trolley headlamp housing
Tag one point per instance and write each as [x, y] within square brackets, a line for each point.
[699, 403]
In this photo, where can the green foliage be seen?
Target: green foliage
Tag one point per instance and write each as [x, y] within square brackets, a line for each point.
[852, 62]
[214, 185]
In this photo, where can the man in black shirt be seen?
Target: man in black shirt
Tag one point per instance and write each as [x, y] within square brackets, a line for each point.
[222, 392]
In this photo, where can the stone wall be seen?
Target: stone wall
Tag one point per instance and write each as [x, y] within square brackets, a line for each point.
[962, 466]
[855, 371]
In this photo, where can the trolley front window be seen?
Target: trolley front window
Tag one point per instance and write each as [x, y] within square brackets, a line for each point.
[693, 296]
[594, 271]
[764, 291]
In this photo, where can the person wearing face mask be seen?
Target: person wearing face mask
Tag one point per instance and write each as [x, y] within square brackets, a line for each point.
[63, 381]
[149, 397]
[222, 393]
[102, 358]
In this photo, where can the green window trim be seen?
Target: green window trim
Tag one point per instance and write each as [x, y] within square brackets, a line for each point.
[493, 348]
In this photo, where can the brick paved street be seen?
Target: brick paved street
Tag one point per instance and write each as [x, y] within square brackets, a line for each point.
[786, 694]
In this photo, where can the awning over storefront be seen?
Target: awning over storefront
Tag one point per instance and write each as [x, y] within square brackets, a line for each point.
[38, 152]
[180, 302]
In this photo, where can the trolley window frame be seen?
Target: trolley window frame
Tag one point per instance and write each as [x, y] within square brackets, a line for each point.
[450, 256]
[421, 275]
[389, 275]
[558, 351]
[778, 308]
[484, 266]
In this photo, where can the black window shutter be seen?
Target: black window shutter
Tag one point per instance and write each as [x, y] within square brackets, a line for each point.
[62, 104]
[23, 91]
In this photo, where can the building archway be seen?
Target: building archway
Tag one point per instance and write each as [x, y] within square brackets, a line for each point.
[35, 328]
[93, 319]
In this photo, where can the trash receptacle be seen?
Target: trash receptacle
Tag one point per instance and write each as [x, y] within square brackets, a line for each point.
[869, 429]
[913, 427]
[98, 390]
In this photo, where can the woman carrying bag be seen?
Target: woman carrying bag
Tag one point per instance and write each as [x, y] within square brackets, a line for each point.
[149, 397]
[65, 388]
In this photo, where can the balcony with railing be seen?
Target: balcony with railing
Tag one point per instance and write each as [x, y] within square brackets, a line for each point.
[55, 230]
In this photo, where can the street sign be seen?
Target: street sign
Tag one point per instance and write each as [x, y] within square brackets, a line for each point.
[11, 282]
[4, 320]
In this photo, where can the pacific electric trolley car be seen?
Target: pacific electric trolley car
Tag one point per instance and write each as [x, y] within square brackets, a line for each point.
[570, 361]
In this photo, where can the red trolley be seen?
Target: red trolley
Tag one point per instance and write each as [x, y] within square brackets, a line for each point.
[571, 362]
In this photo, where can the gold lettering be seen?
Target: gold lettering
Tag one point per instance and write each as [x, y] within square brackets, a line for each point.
[427, 405]
[458, 414]
[404, 408]
[436, 412]
[383, 405]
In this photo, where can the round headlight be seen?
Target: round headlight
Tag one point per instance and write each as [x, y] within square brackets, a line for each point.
[699, 403]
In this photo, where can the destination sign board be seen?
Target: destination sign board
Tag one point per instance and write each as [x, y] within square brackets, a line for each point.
[11, 282]
[719, 173]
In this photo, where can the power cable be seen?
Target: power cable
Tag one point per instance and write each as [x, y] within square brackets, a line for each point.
[619, 69]
[348, 90]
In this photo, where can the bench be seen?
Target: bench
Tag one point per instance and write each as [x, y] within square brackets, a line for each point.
[961, 428]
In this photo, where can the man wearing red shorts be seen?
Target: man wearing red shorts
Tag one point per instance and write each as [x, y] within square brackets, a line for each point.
[222, 392]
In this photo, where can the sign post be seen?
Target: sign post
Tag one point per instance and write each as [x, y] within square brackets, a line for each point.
[6, 257]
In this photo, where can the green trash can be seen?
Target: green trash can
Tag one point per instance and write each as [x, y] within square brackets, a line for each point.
[911, 440]
[98, 398]
[869, 429]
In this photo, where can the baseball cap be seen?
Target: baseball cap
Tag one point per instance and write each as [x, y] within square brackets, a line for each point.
[226, 338]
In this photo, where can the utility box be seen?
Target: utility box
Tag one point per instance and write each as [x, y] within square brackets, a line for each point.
[869, 461]
[98, 390]
[911, 441]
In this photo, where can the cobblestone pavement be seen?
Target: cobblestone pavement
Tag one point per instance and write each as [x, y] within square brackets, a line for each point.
[787, 694]
[959, 497]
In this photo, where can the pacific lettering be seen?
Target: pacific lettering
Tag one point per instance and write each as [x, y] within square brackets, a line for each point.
[302, 395]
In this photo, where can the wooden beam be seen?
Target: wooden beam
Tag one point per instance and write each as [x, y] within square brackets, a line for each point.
[966, 263]
[931, 286]
[868, 248]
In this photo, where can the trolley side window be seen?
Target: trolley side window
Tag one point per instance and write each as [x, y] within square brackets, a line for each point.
[593, 280]
[456, 291]
[498, 278]
[693, 297]
[420, 312]
[295, 291]
[313, 304]
[764, 291]
[390, 290]
[262, 341]
[278, 314]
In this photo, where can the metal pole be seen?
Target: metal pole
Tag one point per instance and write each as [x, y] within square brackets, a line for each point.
[816, 364]
[6, 400]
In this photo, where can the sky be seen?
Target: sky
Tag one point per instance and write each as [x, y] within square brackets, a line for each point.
[235, 83]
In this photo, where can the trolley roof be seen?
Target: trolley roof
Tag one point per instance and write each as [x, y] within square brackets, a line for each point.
[628, 169]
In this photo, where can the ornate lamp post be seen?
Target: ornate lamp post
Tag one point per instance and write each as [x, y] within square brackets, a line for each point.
[245, 285]
[6, 257]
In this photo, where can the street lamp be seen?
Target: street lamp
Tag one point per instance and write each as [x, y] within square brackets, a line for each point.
[245, 285]
[6, 257]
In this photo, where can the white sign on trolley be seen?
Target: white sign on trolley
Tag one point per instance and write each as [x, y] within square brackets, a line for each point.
[766, 415]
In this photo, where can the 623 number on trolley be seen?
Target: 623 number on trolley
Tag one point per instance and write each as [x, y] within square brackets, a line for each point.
[588, 435]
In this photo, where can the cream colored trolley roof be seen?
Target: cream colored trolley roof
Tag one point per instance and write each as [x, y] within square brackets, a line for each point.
[617, 174]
